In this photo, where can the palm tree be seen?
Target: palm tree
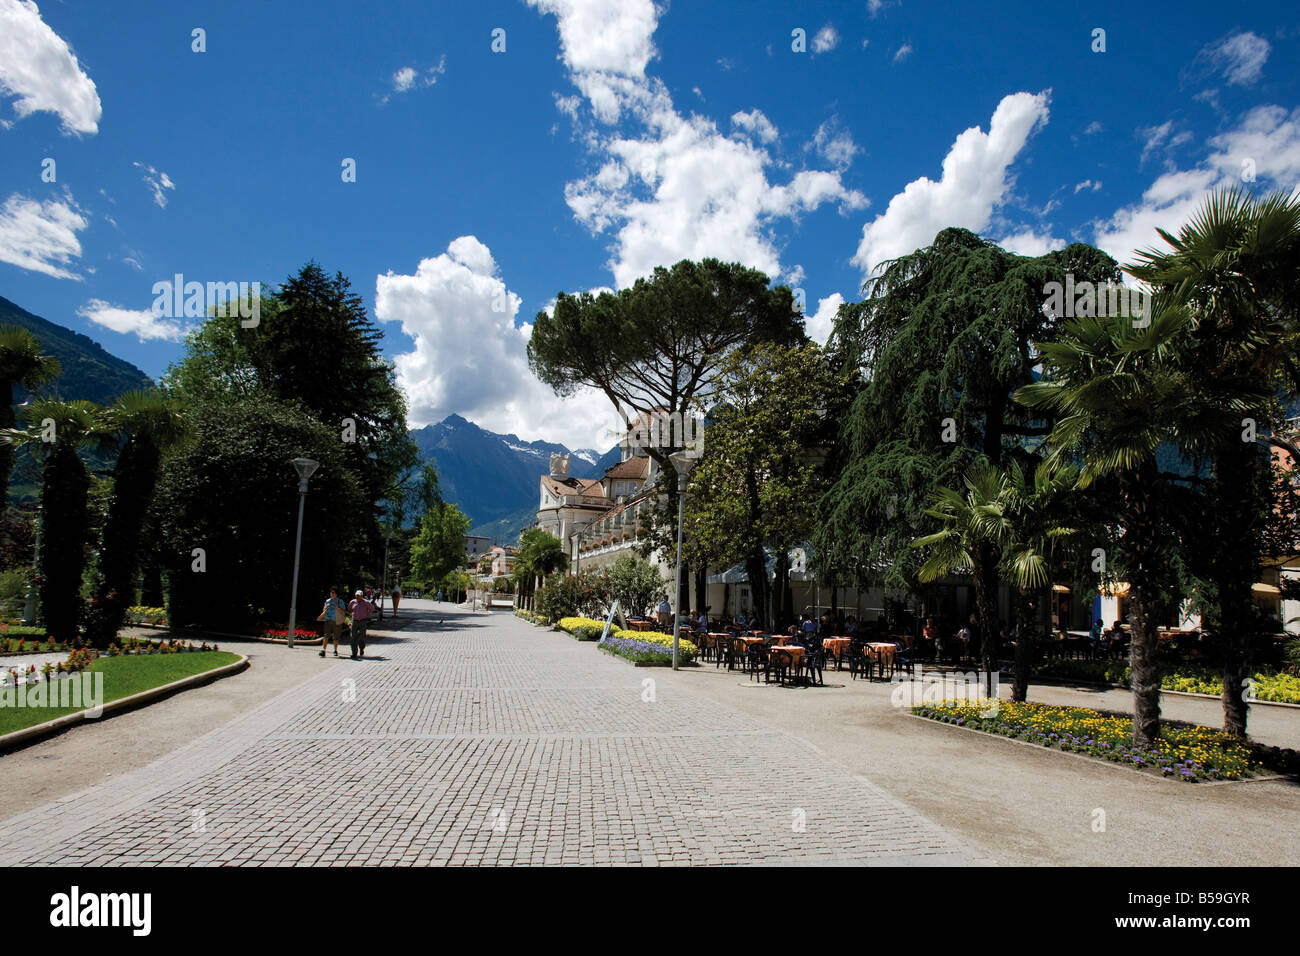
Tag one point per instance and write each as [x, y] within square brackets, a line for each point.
[58, 430]
[540, 555]
[1234, 265]
[1028, 521]
[1121, 392]
[22, 364]
[962, 543]
[151, 423]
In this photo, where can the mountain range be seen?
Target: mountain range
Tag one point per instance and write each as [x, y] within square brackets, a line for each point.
[87, 371]
[492, 477]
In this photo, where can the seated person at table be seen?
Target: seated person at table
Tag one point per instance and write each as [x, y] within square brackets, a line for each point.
[809, 627]
[702, 624]
[740, 621]
[850, 626]
[1094, 635]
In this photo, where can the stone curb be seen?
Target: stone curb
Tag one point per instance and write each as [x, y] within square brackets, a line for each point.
[1065, 682]
[32, 734]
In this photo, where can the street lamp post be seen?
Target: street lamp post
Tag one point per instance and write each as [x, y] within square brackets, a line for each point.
[304, 467]
[383, 581]
[683, 461]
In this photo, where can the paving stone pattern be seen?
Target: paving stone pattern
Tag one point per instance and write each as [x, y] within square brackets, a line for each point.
[484, 741]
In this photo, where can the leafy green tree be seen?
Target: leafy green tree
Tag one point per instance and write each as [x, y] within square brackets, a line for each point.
[759, 480]
[439, 548]
[149, 423]
[965, 542]
[635, 583]
[234, 484]
[654, 349]
[1234, 265]
[539, 556]
[944, 337]
[314, 345]
[22, 364]
[58, 431]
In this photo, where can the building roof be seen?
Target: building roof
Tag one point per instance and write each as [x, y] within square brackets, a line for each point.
[637, 467]
[572, 486]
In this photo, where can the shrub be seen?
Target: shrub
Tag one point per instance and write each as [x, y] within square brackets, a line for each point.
[557, 599]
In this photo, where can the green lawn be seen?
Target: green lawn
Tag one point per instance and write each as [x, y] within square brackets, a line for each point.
[123, 676]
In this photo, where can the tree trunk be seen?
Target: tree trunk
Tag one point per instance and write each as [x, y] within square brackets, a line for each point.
[1145, 575]
[1240, 484]
[781, 609]
[701, 588]
[986, 589]
[1024, 644]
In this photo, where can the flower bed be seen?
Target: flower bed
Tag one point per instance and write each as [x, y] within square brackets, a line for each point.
[134, 645]
[527, 615]
[646, 647]
[1184, 751]
[282, 634]
[583, 628]
[1270, 684]
[139, 614]
[32, 644]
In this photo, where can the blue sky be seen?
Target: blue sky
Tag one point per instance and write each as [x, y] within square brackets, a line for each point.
[607, 138]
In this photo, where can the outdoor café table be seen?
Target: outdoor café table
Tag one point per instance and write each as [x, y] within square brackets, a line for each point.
[883, 653]
[639, 625]
[748, 642]
[796, 655]
[836, 646]
[784, 639]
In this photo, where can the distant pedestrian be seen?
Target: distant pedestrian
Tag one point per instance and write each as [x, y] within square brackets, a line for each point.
[397, 596]
[664, 612]
[361, 610]
[331, 616]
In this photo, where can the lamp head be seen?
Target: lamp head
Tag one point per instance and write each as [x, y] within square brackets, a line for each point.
[305, 467]
[684, 460]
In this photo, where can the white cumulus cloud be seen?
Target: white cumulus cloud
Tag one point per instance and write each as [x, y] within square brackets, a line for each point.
[1031, 243]
[41, 236]
[39, 69]
[975, 181]
[141, 323]
[820, 323]
[825, 39]
[1265, 145]
[674, 187]
[470, 358]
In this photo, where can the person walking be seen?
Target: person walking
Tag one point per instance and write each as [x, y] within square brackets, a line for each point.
[361, 610]
[332, 617]
[397, 596]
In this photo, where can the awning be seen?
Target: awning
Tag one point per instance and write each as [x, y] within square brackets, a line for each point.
[1119, 589]
[1266, 589]
[1060, 589]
